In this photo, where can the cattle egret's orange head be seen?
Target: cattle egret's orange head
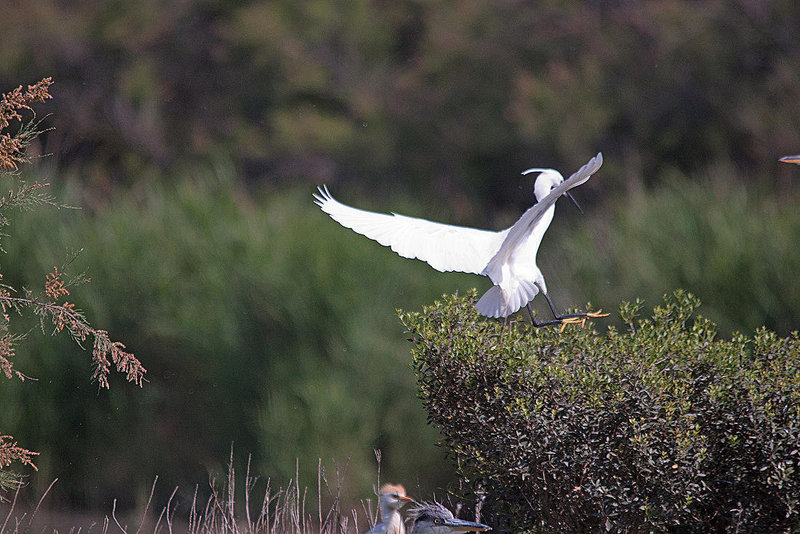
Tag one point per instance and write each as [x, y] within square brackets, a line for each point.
[394, 496]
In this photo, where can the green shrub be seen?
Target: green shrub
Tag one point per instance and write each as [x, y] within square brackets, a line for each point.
[657, 427]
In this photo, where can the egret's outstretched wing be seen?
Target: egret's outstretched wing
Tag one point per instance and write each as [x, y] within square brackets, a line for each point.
[523, 227]
[444, 247]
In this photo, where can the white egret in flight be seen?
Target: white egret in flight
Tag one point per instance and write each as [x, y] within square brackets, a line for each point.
[507, 257]
[392, 498]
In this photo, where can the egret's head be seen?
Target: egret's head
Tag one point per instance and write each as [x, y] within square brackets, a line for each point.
[433, 518]
[791, 159]
[393, 496]
[547, 180]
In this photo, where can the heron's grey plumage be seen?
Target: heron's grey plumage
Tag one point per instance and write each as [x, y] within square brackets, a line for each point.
[435, 518]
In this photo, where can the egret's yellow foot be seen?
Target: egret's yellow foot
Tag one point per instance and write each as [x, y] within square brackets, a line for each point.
[582, 319]
[572, 320]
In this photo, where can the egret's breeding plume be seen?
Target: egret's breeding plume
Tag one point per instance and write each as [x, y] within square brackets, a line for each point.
[433, 518]
[791, 159]
[507, 257]
[392, 498]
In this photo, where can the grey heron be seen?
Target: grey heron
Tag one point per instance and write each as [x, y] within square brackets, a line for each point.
[392, 498]
[433, 518]
[507, 257]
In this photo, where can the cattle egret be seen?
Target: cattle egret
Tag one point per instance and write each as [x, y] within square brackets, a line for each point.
[433, 518]
[791, 159]
[507, 257]
[392, 498]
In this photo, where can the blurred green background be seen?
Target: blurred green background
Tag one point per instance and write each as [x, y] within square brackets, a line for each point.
[192, 134]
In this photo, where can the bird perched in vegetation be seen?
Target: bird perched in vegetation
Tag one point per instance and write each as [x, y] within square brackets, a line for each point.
[507, 257]
[392, 498]
[433, 518]
[791, 159]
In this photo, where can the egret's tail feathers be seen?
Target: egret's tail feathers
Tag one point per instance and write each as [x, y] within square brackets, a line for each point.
[498, 303]
[492, 303]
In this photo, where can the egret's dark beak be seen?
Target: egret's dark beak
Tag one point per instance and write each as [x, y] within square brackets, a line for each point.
[791, 159]
[459, 525]
[569, 195]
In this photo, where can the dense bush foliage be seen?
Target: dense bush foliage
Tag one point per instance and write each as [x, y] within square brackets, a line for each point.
[658, 426]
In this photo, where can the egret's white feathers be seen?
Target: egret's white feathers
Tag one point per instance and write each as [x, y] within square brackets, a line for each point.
[524, 226]
[492, 303]
[507, 257]
[444, 247]
[392, 498]
[499, 302]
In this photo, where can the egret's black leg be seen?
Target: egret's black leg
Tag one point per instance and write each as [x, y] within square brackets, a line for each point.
[555, 313]
[537, 324]
[565, 318]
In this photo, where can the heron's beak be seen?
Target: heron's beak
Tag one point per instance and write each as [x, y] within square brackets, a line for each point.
[459, 525]
[569, 195]
[791, 159]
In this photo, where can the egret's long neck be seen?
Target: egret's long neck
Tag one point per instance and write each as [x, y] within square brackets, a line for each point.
[386, 510]
[392, 519]
[535, 239]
